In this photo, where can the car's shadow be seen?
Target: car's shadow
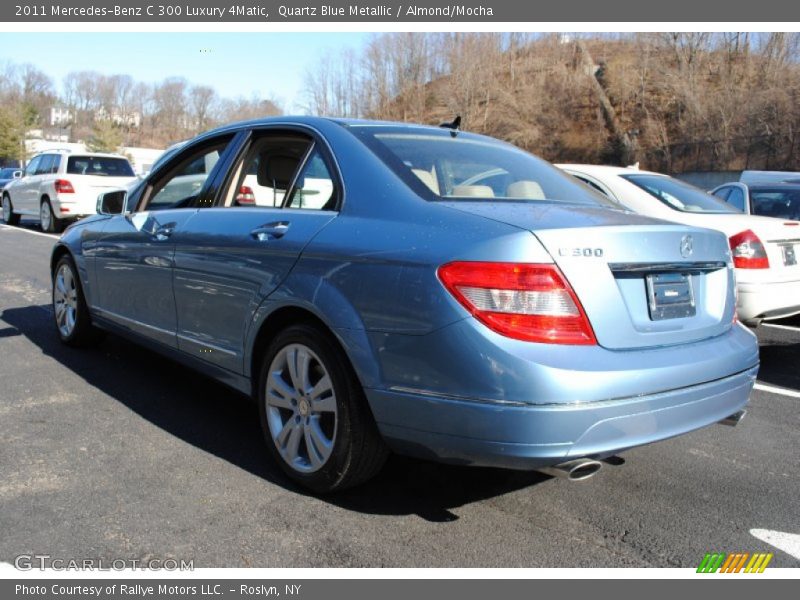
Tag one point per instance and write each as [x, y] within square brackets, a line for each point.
[220, 421]
[778, 351]
[776, 364]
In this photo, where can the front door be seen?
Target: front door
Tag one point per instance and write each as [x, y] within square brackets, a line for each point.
[134, 258]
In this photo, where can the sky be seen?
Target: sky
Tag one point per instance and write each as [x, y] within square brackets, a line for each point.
[235, 64]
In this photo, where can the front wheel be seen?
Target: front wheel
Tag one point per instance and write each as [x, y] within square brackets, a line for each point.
[314, 415]
[9, 217]
[73, 323]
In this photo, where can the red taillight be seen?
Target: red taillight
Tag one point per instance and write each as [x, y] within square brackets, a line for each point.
[531, 302]
[748, 251]
[63, 187]
[245, 195]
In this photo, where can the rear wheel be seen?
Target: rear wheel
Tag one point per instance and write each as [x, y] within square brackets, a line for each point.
[47, 218]
[9, 218]
[72, 319]
[314, 415]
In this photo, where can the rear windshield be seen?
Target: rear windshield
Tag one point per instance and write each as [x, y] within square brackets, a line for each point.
[447, 166]
[679, 195]
[779, 203]
[99, 165]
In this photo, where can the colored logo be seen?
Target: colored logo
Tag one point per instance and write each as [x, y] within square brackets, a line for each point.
[734, 563]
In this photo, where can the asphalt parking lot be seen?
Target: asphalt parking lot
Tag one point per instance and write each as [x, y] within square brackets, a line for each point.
[115, 452]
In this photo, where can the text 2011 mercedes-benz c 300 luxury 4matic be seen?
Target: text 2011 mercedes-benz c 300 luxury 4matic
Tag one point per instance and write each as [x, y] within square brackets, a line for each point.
[414, 289]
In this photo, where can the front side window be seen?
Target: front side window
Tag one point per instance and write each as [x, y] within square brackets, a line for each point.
[182, 186]
[679, 195]
[443, 165]
[33, 166]
[105, 166]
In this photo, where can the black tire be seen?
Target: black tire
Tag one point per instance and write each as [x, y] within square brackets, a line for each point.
[83, 333]
[12, 218]
[55, 225]
[358, 452]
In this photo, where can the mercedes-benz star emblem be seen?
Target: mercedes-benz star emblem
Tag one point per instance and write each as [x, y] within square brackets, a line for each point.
[686, 246]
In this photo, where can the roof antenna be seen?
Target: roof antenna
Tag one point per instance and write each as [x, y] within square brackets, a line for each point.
[454, 126]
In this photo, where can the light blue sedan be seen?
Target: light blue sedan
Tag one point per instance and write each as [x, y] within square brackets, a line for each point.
[412, 289]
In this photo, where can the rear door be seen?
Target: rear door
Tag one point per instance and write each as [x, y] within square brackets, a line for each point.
[230, 257]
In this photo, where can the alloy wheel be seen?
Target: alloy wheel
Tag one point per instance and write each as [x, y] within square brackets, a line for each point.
[301, 408]
[45, 215]
[65, 300]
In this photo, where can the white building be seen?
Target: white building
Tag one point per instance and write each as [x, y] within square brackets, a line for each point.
[60, 116]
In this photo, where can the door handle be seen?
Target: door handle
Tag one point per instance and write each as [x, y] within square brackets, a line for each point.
[164, 232]
[270, 231]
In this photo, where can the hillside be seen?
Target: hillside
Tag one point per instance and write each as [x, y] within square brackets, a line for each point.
[673, 102]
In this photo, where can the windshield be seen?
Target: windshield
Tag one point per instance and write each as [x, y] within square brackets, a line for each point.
[780, 203]
[107, 166]
[448, 166]
[679, 195]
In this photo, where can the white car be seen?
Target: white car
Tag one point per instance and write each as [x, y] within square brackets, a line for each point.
[765, 250]
[60, 186]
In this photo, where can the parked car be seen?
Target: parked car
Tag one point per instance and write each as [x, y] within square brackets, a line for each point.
[527, 324]
[60, 187]
[779, 200]
[749, 177]
[764, 249]
[8, 175]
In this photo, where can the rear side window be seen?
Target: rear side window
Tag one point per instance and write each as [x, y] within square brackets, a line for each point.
[722, 193]
[679, 195]
[314, 187]
[444, 165]
[781, 204]
[105, 166]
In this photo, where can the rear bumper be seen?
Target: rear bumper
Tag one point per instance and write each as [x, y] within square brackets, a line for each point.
[527, 437]
[766, 300]
[66, 207]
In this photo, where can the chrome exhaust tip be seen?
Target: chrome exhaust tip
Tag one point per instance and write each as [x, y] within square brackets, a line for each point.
[579, 469]
[733, 420]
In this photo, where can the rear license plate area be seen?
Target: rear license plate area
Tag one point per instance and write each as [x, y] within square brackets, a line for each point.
[789, 256]
[670, 296]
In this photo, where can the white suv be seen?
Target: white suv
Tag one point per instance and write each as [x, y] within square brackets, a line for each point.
[60, 186]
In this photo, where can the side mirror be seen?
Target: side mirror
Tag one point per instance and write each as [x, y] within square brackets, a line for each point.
[112, 203]
[17, 174]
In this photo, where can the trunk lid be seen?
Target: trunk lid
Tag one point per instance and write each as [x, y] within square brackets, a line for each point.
[92, 185]
[639, 284]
